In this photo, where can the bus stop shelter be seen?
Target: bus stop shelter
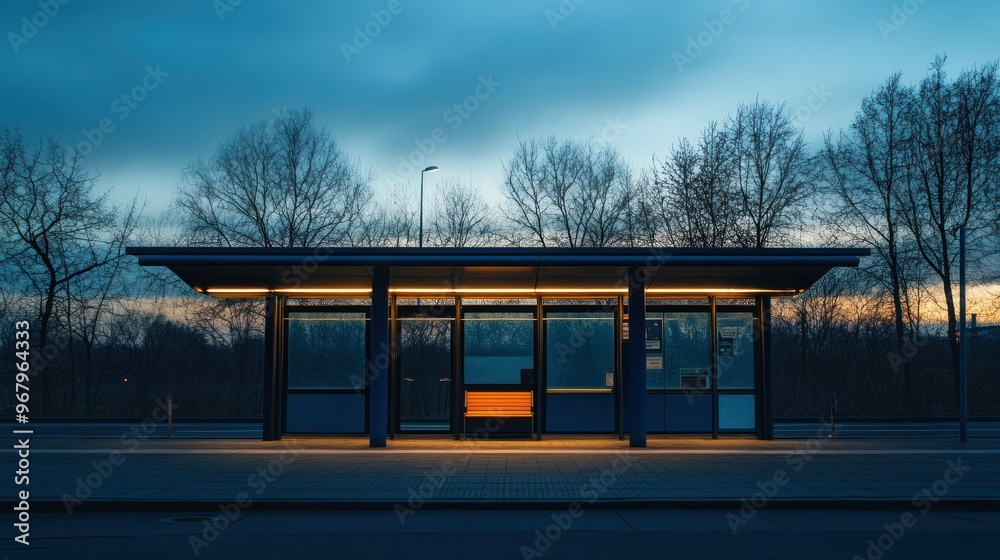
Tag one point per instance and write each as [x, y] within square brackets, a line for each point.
[623, 341]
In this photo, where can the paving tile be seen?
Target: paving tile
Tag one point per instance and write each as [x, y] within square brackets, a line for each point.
[561, 469]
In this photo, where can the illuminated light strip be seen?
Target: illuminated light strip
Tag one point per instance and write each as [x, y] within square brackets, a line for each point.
[323, 290]
[287, 291]
[238, 291]
[506, 291]
[497, 291]
[461, 290]
[718, 291]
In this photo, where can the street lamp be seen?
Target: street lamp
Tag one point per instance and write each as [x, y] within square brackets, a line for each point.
[428, 169]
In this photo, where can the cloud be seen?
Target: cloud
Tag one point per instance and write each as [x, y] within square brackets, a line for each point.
[597, 61]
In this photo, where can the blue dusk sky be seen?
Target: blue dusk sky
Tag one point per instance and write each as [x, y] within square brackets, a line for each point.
[449, 83]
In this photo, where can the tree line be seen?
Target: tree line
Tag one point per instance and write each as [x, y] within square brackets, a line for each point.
[917, 163]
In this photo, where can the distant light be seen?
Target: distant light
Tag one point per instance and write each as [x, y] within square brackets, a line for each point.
[430, 169]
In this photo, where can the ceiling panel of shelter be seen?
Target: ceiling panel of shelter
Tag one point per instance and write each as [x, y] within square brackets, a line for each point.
[583, 277]
[737, 277]
[440, 279]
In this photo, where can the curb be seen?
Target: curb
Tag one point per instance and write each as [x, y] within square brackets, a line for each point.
[54, 506]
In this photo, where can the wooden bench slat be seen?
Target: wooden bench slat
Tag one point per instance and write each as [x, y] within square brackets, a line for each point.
[514, 404]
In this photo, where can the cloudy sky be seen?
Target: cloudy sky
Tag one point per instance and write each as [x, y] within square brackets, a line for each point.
[449, 83]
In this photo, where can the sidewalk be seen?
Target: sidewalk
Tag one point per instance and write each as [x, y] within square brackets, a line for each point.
[415, 472]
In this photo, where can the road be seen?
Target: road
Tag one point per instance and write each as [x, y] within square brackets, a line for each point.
[581, 534]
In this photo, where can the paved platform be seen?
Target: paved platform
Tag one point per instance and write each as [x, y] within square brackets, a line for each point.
[508, 534]
[418, 472]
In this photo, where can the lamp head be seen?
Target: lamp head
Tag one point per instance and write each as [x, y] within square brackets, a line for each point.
[430, 169]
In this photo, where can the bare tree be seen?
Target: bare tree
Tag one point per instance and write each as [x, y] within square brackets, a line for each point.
[58, 228]
[866, 170]
[390, 223]
[697, 196]
[525, 186]
[644, 221]
[462, 218]
[568, 193]
[771, 172]
[954, 160]
[283, 182]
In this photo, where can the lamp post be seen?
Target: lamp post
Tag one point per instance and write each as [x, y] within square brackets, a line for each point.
[428, 169]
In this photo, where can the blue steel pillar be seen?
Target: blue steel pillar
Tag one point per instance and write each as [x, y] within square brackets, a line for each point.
[637, 356]
[378, 362]
[766, 387]
[269, 427]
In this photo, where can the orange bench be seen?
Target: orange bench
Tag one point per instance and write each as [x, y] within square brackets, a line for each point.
[499, 404]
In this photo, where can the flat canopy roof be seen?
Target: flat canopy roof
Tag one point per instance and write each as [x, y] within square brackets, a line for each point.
[507, 271]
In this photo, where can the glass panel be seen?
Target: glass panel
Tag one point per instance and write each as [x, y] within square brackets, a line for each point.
[425, 374]
[736, 412]
[499, 348]
[326, 350]
[685, 358]
[735, 350]
[580, 350]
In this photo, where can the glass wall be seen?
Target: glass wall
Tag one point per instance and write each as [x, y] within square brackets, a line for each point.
[579, 350]
[425, 373]
[326, 350]
[677, 350]
[735, 350]
[498, 348]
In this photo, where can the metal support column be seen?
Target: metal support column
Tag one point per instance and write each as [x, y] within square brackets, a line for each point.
[273, 363]
[619, 385]
[758, 366]
[963, 347]
[540, 358]
[379, 359]
[395, 375]
[270, 373]
[458, 371]
[281, 344]
[637, 356]
[713, 363]
[767, 400]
